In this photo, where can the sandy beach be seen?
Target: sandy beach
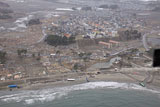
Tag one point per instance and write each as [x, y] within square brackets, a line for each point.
[115, 77]
[49, 91]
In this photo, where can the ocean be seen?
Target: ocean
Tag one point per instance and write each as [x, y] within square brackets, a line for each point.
[93, 94]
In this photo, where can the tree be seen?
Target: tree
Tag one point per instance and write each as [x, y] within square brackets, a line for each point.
[58, 52]
[21, 52]
[127, 33]
[89, 54]
[34, 22]
[24, 51]
[56, 40]
[85, 57]
[33, 55]
[75, 67]
[114, 6]
[135, 15]
[104, 6]
[71, 39]
[81, 55]
[39, 56]
[3, 57]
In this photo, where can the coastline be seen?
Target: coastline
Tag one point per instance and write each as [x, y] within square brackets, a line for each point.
[125, 75]
[119, 78]
[44, 92]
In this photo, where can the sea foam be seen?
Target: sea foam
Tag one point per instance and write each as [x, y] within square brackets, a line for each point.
[46, 95]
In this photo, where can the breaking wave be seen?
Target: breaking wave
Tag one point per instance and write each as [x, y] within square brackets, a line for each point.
[46, 95]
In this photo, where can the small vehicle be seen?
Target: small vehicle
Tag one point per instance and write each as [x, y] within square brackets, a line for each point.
[12, 86]
[70, 79]
[142, 84]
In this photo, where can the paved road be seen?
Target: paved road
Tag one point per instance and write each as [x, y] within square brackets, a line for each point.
[44, 35]
[144, 40]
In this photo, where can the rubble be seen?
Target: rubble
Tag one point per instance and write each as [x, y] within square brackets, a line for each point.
[104, 33]
[34, 22]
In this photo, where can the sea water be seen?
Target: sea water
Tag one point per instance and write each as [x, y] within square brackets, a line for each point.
[93, 94]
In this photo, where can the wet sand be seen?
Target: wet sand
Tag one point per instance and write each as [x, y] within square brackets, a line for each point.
[101, 77]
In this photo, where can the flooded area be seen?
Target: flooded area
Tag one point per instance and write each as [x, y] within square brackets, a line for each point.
[25, 10]
[154, 41]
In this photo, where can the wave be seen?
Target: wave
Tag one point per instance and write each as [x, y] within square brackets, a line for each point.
[148, 0]
[46, 95]
[64, 9]
[18, 1]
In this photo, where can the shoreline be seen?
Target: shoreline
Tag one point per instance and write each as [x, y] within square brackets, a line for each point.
[119, 78]
[51, 91]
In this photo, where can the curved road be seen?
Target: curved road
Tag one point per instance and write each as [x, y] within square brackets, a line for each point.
[144, 40]
[44, 34]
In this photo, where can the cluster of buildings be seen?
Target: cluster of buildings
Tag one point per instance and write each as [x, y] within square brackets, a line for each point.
[110, 44]
[95, 24]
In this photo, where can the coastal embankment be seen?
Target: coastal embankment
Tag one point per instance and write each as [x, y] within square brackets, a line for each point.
[126, 75]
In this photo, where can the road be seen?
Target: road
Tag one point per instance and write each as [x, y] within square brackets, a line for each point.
[118, 52]
[144, 40]
[44, 34]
